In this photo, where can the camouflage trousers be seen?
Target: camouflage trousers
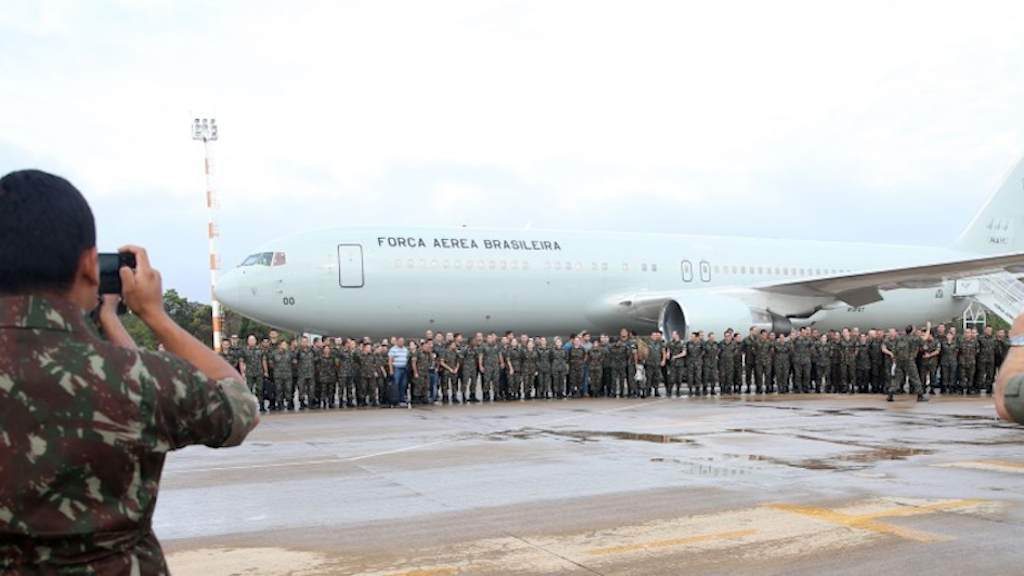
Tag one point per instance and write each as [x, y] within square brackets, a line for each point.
[306, 390]
[802, 375]
[326, 390]
[848, 375]
[929, 372]
[878, 377]
[619, 386]
[949, 382]
[255, 384]
[349, 388]
[822, 377]
[676, 375]
[544, 384]
[655, 378]
[449, 387]
[284, 391]
[515, 382]
[491, 382]
[467, 384]
[985, 375]
[906, 370]
[382, 384]
[749, 371]
[727, 377]
[710, 378]
[694, 376]
[967, 373]
[558, 377]
[782, 375]
[762, 374]
[575, 381]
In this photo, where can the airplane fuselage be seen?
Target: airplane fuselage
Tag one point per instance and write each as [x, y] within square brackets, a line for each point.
[385, 281]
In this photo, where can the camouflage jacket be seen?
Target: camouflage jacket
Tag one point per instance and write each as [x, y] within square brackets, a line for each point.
[86, 428]
[281, 362]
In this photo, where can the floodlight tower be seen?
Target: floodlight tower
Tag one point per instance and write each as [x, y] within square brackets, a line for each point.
[205, 130]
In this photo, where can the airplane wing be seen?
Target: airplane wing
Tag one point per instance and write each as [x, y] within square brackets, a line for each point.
[866, 287]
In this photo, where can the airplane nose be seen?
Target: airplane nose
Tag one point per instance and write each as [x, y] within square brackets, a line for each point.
[228, 289]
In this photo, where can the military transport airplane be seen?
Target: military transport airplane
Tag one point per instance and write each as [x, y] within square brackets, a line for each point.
[380, 281]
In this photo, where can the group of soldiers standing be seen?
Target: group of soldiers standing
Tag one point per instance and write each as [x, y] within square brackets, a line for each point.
[325, 373]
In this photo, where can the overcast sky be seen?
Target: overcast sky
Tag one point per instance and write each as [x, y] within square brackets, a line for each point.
[888, 121]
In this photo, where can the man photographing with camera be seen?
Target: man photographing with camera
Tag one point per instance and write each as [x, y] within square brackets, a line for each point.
[85, 421]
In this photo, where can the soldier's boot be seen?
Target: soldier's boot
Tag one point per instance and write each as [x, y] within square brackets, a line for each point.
[889, 398]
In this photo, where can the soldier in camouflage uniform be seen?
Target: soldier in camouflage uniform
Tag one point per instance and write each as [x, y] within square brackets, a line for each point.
[847, 362]
[577, 359]
[863, 364]
[515, 370]
[281, 359]
[968, 362]
[544, 369]
[802, 346]
[929, 361]
[620, 372]
[949, 351]
[366, 370]
[595, 360]
[492, 358]
[763, 362]
[783, 350]
[559, 369]
[254, 362]
[709, 373]
[823, 363]
[694, 356]
[530, 359]
[877, 360]
[749, 349]
[470, 361]
[304, 359]
[656, 357]
[448, 363]
[326, 377]
[86, 421]
[986, 360]
[729, 356]
[676, 365]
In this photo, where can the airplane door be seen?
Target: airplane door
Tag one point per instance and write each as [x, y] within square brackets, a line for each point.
[350, 265]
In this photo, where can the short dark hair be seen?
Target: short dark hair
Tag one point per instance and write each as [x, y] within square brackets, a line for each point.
[45, 226]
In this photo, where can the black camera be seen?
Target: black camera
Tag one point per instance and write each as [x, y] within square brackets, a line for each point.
[110, 270]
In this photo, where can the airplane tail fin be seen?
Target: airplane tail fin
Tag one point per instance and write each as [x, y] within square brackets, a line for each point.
[999, 226]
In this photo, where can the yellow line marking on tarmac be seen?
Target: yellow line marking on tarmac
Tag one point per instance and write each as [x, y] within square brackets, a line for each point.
[672, 542]
[990, 465]
[869, 521]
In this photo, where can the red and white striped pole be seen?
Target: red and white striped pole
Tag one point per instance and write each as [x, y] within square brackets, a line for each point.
[205, 129]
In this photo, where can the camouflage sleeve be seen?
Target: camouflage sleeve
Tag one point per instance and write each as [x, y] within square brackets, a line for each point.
[1013, 398]
[193, 409]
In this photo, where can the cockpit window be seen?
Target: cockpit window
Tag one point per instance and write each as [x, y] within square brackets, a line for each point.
[265, 259]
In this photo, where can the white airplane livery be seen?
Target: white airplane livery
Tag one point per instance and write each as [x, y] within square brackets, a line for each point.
[380, 281]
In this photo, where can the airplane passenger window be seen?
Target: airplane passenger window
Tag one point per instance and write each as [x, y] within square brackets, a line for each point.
[604, 266]
[743, 269]
[625, 266]
[643, 267]
[445, 264]
[578, 266]
[469, 264]
[410, 263]
[526, 265]
[491, 264]
[558, 265]
[504, 264]
[515, 265]
[654, 267]
[433, 263]
[593, 266]
[398, 262]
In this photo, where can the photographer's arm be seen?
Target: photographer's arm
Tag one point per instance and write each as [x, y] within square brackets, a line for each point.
[1008, 395]
[143, 294]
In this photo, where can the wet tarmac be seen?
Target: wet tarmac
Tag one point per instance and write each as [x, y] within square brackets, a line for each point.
[774, 485]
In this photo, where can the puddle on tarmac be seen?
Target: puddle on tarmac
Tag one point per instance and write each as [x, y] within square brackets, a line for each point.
[591, 436]
[850, 461]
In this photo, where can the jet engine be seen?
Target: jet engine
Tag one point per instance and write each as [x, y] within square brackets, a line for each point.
[715, 313]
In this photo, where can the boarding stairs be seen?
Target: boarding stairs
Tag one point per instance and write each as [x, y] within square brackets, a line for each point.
[1001, 292]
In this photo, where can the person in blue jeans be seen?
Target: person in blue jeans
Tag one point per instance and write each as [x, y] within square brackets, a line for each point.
[398, 362]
